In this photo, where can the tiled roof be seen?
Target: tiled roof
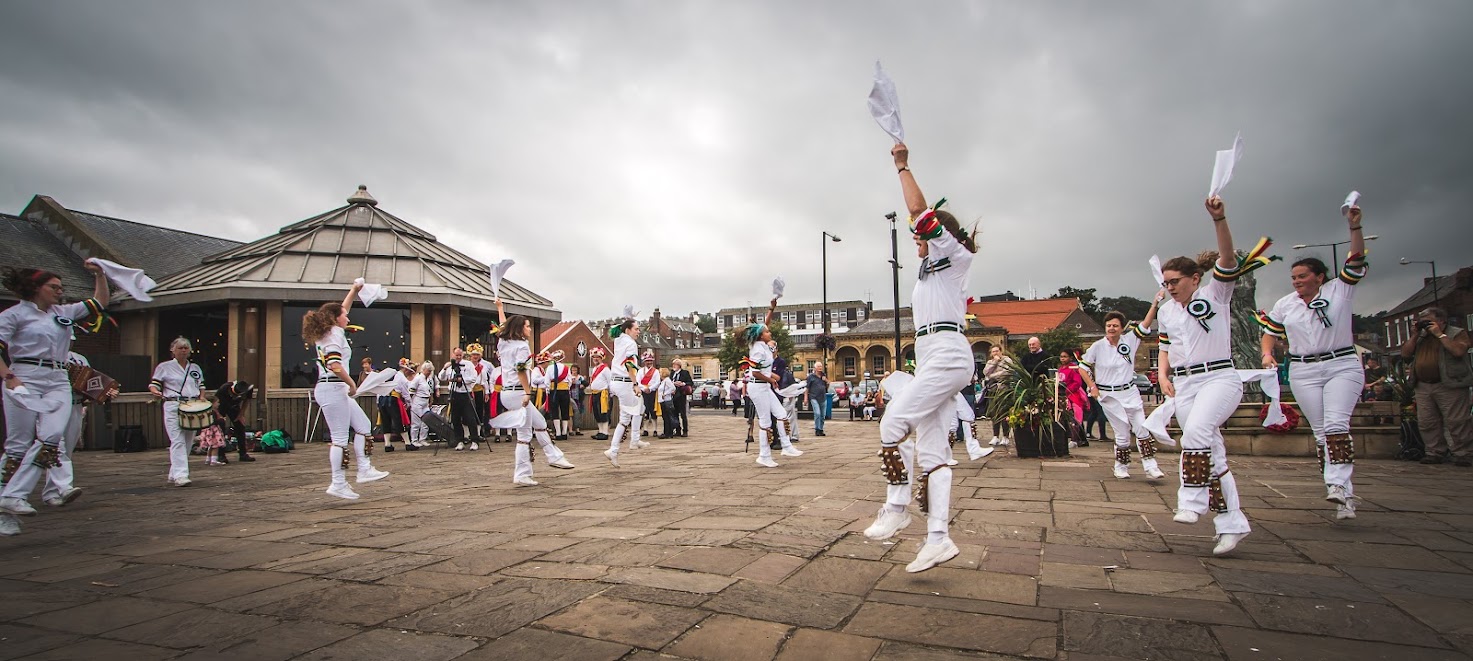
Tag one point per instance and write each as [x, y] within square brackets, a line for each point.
[159, 251]
[1426, 295]
[1024, 317]
[554, 332]
[25, 243]
[760, 307]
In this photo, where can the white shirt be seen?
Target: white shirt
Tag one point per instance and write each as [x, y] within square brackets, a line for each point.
[401, 385]
[177, 380]
[333, 348]
[940, 290]
[1114, 365]
[761, 356]
[1204, 337]
[648, 377]
[625, 348]
[539, 377]
[468, 375]
[28, 332]
[422, 389]
[600, 380]
[667, 390]
[512, 353]
[485, 373]
[1320, 326]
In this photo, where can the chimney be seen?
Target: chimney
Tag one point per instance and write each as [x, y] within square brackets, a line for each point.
[655, 321]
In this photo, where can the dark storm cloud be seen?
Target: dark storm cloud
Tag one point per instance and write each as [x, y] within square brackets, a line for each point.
[705, 145]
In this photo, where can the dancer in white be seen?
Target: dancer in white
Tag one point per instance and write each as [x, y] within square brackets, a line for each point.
[514, 354]
[1324, 371]
[966, 422]
[624, 386]
[944, 365]
[1196, 369]
[324, 327]
[421, 394]
[768, 405]
[176, 381]
[394, 413]
[59, 490]
[36, 338]
[1110, 376]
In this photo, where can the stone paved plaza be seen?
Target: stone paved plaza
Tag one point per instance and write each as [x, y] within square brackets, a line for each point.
[692, 551]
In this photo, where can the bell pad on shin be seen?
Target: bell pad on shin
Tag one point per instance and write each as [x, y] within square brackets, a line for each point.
[951, 438]
[1122, 456]
[346, 459]
[367, 446]
[923, 489]
[11, 465]
[1340, 448]
[1196, 468]
[46, 458]
[1319, 453]
[1148, 447]
[893, 466]
[1215, 500]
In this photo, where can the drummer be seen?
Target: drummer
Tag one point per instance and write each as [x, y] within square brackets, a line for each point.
[177, 381]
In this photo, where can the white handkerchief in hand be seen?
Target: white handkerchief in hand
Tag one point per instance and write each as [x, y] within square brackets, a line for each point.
[630, 312]
[778, 286]
[31, 401]
[884, 105]
[498, 271]
[370, 294]
[1156, 271]
[1156, 423]
[132, 281]
[1222, 167]
[896, 382]
[1351, 200]
[793, 390]
[1268, 381]
[379, 383]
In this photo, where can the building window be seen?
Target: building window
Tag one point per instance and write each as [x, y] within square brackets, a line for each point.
[810, 365]
[851, 315]
[849, 367]
[695, 371]
[726, 321]
[877, 364]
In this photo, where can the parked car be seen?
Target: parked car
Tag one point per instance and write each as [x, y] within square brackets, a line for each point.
[1143, 384]
[840, 391]
[707, 394]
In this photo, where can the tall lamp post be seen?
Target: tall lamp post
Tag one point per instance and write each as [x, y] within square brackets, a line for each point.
[1334, 248]
[825, 240]
[1435, 297]
[895, 280]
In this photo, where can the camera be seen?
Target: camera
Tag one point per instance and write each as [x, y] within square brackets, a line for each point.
[1424, 324]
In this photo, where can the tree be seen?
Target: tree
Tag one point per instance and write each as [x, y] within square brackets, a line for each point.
[1086, 298]
[707, 323]
[734, 346]
[1133, 308]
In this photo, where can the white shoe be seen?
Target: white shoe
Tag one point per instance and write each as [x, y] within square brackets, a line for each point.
[638, 444]
[792, 452]
[371, 475]
[983, 453]
[1337, 494]
[342, 491]
[53, 501]
[181, 482]
[1073, 445]
[932, 555]
[766, 461]
[1185, 516]
[1228, 541]
[9, 525]
[459, 446]
[1155, 473]
[17, 506]
[886, 524]
[613, 458]
[995, 441]
[1345, 510]
[951, 462]
[475, 446]
[563, 464]
[1006, 442]
[70, 495]
[525, 482]
[1122, 472]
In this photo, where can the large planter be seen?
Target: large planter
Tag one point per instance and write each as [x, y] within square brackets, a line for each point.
[1030, 442]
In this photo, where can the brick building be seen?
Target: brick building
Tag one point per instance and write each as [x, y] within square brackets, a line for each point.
[1453, 293]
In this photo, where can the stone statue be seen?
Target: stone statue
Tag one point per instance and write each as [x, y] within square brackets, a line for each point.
[1246, 331]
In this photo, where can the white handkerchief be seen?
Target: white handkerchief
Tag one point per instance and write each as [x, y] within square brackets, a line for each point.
[630, 312]
[1156, 271]
[793, 390]
[1156, 423]
[370, 294]
[31, 401]
[133, 281]
[1350, 200]
[1268, 380]
[778, 286]
[511, 419]
[1222, 167]
[379, 383]
[893, 384]
[884, 105]
[498, 271]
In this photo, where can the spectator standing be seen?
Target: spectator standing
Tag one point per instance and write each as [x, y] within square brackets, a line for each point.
[1035, 362]
[1441, 377]
[684, 386]
[1375, 376]
[998, 367]
[817, 395]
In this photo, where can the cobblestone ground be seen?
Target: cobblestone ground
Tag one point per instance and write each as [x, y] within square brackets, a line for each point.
[692, 551]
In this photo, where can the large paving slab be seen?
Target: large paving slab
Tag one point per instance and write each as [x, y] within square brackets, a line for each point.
[690, 550]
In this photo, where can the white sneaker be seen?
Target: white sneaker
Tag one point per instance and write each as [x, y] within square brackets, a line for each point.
[475, 446]
[525, 482]
[70, 495]
[1155, 473]
[17, 506]
[792, 452]
[459, 446]
[613, 458]
[766, 461]
[886, 524]
[983, 453]
[932, 555]
[1345, 510]
[995, 441]
[9, 525]
[952, 461]
[638, 444]
[53, 501]
[1073, 445]
[1122, 472]
[182, 482]
[342, 491]
[1337, 494]
[1228, 541]
[563, 464]
[371, 475]
[1006, 442]
[1185, 516]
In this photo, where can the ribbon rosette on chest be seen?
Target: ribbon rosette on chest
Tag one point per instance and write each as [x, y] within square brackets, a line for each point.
[1319, 306]
[1201, 311]
[1124, 350]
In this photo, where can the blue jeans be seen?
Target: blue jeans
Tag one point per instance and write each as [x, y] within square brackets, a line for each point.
[817, 407]
[828, 406]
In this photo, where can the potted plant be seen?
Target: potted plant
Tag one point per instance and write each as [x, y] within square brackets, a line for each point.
[1030, 405]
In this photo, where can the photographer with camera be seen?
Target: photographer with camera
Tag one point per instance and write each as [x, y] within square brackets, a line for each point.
[1441, 375]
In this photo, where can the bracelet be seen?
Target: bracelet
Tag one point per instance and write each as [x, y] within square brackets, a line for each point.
[1216, 219]
[905, 168]
[1355, 228]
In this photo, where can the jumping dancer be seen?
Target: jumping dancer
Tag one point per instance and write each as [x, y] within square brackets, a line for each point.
[624, 386]
[1110, 375]
[514, 352]
[766, 402]
[335, 391]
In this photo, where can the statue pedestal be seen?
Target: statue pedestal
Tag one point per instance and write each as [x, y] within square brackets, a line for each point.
[1376, 427]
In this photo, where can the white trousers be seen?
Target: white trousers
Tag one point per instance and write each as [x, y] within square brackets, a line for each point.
[768, 406]
[180, 441]
[927, 407]
[1127, 415]
[1327, 394]
[966, 418]
[534, 427]
[24, 427]
[59, 479]
[345, 419]
[1204, 402]
[790, 407]
[631, 407]
[418, 430]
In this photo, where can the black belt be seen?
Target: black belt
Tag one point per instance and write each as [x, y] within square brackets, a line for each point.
[329, 379]
[1322, 357]
[938, 327]
[506, 388]
[1115, 388]
[180, 399]
[1202, 368]
[40, 362]
[617, 378]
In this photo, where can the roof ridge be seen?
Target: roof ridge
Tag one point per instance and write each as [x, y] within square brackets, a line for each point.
[159, 227]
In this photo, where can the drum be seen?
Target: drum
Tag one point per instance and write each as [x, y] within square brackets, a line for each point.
[195, 414]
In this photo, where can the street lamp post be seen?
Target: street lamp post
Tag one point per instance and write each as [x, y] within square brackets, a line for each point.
[1334, 248]
[825, 241]
[1435, 297]
[895, 281]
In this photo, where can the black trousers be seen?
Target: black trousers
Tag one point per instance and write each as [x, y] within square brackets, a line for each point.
[649, 406]
[464, 414]
[667, 411]
[562, 405]
[237, 430]
[680, 404]
[596, 401]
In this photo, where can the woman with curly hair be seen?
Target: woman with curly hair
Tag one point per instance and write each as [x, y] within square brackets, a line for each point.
[35, 340]
[335, 390]
[515, 353]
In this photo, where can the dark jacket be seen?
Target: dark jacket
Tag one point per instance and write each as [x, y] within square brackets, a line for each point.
[1035, 363]
[818, 387]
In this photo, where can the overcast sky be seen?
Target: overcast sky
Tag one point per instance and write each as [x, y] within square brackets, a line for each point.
[681, 154]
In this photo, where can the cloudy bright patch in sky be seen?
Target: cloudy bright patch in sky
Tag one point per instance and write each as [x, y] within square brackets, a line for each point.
[681, 154]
